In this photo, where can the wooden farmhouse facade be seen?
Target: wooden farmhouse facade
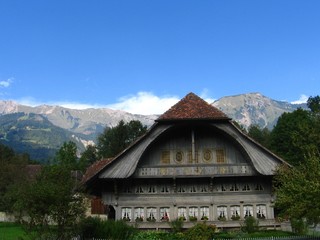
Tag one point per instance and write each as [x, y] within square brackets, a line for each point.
[193, 164]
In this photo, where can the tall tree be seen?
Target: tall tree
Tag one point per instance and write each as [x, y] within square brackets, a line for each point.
[298, 189]
[88, 157]
[262, 136]
[52, 197]
[67, 155]
[294, 136]
[12, 174]
[314, 104]
[114, 140]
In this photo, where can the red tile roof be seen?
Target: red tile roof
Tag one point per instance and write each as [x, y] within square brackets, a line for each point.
[192, 107]
[95, 168]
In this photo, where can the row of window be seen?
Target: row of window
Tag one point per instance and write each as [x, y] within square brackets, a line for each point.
[193, 188]
[234, 212]
[207, 155]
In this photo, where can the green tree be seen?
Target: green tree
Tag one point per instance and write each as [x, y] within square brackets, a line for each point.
[262, 136]
[67, 155]
[298, 190]
[114, 140]
[51, 199]
[294, 135]
[88, 157]
[314, 104]
[12, 174]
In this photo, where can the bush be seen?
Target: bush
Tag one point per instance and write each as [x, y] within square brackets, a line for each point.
[157, 235]
[250, 225]
[97, 228]
[200, 231]
[299, 226]
[176, 225]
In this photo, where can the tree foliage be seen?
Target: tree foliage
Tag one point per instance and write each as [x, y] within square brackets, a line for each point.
[114, 140]
[314, 104]
[88, 157]
[297, 133]
[67, 155]
[51, 199]
[262, 136]
[12, 174]
[298, 189]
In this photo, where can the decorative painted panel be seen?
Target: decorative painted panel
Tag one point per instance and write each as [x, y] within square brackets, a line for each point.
[204, 170]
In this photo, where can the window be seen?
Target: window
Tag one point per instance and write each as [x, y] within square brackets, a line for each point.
[235, 212]
[234, 187]
[193, 213]
[220, 154]
[247, 211]
[164, 189]
[203, 188]
[139, 189]
[246, 187]
[259, 187]
[139, 214]
[181, 189]
[261, 211]
[204, 213]
[182, 213]
[126, 214]
[151, 214]
[223, 189]
[165, 157]
[193, 189]
[222, 213]
[164, 214]
[151, 189]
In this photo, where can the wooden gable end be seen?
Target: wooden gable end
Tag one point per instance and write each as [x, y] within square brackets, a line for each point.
[192, 139]
[194, 150]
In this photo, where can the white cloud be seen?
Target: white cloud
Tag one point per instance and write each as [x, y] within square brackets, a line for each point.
[6, 83]
[29, 101]
[145, 103]
[205, 95]
[303, 99]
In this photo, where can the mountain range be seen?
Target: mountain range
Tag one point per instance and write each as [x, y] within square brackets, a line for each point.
[40, 131]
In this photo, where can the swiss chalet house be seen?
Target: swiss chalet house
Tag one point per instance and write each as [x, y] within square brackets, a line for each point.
[193, 164]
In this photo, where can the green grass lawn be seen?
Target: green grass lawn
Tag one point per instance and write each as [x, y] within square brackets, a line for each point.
[11, 231]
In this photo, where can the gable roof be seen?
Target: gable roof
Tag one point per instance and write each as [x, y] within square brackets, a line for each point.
[192, 107]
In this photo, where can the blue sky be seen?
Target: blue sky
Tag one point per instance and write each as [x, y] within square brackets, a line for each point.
[142, 56]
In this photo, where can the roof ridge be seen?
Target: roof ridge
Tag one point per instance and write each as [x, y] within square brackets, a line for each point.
[192, 107]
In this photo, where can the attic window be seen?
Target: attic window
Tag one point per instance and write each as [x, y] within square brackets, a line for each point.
[220, 154]
[165, 157]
